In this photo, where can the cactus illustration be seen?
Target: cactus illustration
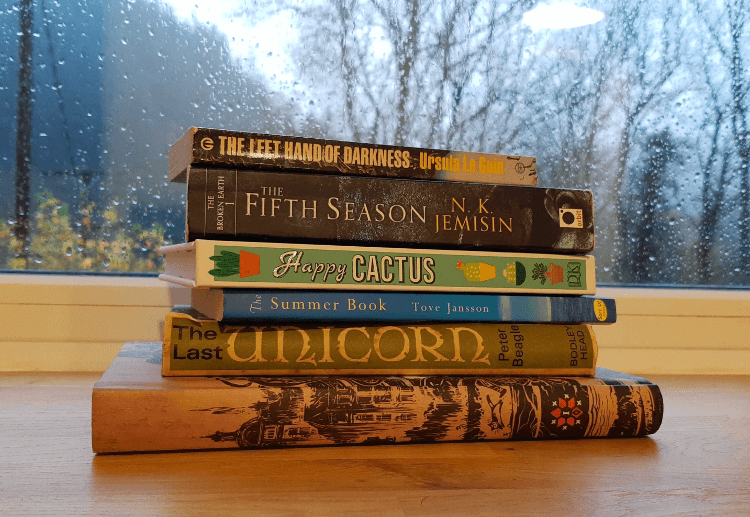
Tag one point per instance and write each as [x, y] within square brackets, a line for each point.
[539, 273]
[542, 273]
[515, 273]
[476, 271]
[229, 263]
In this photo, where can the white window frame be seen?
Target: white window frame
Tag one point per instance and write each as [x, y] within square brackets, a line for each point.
[57, 322]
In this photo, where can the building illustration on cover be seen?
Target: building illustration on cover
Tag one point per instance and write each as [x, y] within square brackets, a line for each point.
[370, 410]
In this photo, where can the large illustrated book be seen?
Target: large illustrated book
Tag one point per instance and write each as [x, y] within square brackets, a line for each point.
[134, 408]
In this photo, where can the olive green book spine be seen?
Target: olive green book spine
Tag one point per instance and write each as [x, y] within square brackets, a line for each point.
[208, 263]
[197, 345]
[242, 150]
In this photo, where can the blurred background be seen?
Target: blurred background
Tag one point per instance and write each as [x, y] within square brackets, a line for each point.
[646, 104]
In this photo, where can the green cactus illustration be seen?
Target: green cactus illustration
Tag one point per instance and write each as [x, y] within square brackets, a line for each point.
[226, 264]
[515, 273]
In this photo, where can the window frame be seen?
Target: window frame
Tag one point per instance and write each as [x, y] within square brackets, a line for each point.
[60, 322]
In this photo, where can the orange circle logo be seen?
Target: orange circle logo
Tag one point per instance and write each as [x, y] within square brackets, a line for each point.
[207, 144]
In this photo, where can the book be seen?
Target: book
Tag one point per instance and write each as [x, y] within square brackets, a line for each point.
[208, 263]
[285, 305]
[134, 408]
[197, 345]
[273, 206]
[243, 150]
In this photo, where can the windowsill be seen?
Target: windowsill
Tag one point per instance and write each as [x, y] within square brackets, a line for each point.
[78, 323]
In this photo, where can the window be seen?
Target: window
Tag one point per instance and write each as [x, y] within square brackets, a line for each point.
[647, 105]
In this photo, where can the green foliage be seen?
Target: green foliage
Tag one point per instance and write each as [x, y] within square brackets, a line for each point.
[59, 243]
[227, 264]
[539, 272]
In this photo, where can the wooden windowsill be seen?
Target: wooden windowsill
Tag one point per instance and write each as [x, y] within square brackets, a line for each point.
[696, 464]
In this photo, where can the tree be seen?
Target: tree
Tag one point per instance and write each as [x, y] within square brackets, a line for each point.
[649, 33]
[650, 200]
[714, 160]
[161, 77]
[433, 74]
[725, 56]
[23, 130]
[57, 244]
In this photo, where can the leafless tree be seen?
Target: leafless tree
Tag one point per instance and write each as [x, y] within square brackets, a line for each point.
[728, 45]
[161, 77]
[433, 73]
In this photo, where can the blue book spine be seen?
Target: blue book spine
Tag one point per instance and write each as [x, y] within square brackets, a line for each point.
[284, 305]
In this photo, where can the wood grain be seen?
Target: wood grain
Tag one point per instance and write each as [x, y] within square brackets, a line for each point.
[698, 463]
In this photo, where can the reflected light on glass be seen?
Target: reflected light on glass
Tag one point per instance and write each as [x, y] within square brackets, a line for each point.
[561, 15]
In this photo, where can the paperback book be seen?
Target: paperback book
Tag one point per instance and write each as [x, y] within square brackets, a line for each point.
[208, 263]
[243, 150]
[197, 345]
[285, 305]
[273, 206]
[251, 412]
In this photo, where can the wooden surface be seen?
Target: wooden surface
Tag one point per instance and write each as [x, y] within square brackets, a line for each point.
[697, 464]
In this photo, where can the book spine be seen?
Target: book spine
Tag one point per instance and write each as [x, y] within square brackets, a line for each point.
[242, 150]
[200, 346]
[269, 265]
[295, 305]
[383, 211]
[252, 413]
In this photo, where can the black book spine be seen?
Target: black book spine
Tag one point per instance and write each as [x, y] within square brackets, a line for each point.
[235, 149]
[270, 206]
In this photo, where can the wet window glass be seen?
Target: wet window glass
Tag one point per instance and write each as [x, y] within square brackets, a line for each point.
[644, 103]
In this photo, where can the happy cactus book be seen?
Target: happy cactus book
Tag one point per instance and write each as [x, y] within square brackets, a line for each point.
[207, 263]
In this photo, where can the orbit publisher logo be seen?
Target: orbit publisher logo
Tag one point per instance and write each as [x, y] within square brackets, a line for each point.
[571, 218]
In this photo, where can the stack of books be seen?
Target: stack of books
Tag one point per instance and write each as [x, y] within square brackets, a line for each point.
[349, 293]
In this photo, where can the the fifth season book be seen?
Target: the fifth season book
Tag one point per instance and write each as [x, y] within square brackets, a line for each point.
[283, 206]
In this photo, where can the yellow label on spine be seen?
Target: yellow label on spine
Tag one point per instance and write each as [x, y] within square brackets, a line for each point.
[600, 309]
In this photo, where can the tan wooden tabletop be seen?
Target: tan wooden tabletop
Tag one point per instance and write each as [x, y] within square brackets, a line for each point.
[697, 464]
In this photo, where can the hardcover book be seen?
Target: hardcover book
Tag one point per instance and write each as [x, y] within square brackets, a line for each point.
[207, 263]
[197, 345]
[134, 408]
[242, 150]
[297, 305]
[273, 206]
